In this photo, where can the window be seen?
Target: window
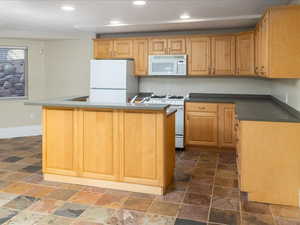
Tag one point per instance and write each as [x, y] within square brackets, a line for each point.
[13, 72]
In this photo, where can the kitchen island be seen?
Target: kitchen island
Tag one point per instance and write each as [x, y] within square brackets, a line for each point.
[127, 147]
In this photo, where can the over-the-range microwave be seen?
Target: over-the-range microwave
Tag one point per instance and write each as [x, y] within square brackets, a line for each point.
[167, 65]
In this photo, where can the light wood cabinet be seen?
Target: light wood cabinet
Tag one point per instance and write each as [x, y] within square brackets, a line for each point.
[199, 56]
[167, 46]
[201, 124]
[126, 149]
[99, 156]
[113, 48]
[245, 53]
[257, 49]
[59, 137]
[227, 137]
[103, 48]
[176, 46]
[122, 48]
[210, 124]
[264, 46]
[279, 46]
[223, 55]
[140, 55]
[140, 157]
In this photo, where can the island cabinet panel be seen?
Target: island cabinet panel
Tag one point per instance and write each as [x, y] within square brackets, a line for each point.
[201, 128]
[199, 56]
[223, 55]
[245, 53]
[226, 125]
[270, 169]
[140, 55]
[103, 48]
[99, 157]
[141, 155]
[58, 142]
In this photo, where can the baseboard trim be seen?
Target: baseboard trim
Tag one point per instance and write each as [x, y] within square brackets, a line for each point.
[23, 131]
[105, 184]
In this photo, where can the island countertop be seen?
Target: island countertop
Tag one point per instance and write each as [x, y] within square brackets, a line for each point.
[81, 102]
[252, 107]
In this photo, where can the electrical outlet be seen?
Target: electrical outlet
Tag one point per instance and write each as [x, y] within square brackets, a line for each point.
[286, 98]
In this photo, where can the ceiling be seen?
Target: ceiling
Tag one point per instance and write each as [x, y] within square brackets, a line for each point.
[44, 18]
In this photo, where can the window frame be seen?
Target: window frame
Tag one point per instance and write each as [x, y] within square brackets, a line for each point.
[25, 97]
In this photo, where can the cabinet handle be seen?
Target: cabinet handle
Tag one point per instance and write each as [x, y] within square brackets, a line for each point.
[202, 107]
[213, 70]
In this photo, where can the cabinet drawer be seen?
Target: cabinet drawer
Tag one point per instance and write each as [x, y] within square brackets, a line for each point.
[201, 107]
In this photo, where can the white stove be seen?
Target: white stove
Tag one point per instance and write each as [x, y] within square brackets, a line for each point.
[176, 102]
[165, 99]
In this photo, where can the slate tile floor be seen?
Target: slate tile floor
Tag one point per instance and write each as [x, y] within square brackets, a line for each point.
[205, 192]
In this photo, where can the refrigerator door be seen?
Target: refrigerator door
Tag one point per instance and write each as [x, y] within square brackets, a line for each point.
[108, 74]
[108, 96]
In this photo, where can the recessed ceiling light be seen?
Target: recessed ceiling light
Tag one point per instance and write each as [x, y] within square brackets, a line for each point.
[115, 22]
[139, 2]
[185, 16]
[67, 8]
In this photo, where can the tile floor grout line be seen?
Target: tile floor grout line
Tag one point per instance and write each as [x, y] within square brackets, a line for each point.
[213, 186]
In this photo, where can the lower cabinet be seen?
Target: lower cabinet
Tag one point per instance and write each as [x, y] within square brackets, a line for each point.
[201, 128]
[227, 136]
[59, 136]
[140, 156]
[99, 156]
[209, 124]
[135, 147]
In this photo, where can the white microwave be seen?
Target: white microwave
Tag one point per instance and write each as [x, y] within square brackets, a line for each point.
[166, 65]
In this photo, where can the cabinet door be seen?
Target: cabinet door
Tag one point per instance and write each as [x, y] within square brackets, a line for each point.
[245, 53]
[223, 55]
[199, 56]
[99, 153]
[264, 46]
[227, 136]
[257, 49]
[140, 157]
[103, 49]
[59, 156]
[201, 128]
[122, 48]
[158, 46]
[140, 54]
[176, 46]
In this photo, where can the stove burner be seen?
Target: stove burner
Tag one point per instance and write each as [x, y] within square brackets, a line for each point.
[176, 97]
[158, 96]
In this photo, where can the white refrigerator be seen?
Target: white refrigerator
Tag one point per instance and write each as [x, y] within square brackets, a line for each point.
[112, 81]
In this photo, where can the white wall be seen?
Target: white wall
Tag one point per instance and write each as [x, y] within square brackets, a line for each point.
[183, 86]
[67, 67]
[14, 112]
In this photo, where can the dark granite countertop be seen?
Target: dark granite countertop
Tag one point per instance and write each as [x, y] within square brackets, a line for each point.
[252, 107]
[81, 102]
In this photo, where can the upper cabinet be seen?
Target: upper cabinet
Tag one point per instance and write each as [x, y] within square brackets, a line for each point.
[271, 51]
[167, 46]
[279, 43]
[223, 55]
[103, 48]
[122, 48]
[199, 55]
[245, 53]
[113, 48]
[140, 55]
